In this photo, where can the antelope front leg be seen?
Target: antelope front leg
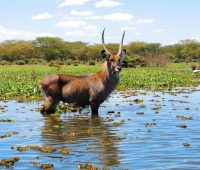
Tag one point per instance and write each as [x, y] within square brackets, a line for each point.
[42, 110]
[95, 108]
[50, 105]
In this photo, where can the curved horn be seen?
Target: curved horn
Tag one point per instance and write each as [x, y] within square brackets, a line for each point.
[121, 45]
[103, 43]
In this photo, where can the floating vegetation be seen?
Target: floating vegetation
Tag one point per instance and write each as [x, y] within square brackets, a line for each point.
[9, 162]
[150, 124]
[17, 82]
[14, 132]
[64, 107]
[119, 123]
[156, 108]
[87, 166]
[182, 126]
[184, 117]
[139, 113]
[138, 101]
[7, 120]
[5, 136]
[179, 101]
[63, 151]
[186, 144]
[107, 140]
[45, 166]
[118, 139]
[44, 149]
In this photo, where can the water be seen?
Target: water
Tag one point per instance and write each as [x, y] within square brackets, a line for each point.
[134, 144]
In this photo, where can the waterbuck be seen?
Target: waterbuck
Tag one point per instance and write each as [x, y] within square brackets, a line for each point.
[83, 90]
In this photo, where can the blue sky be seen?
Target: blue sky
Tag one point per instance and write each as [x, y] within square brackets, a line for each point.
[163, 21]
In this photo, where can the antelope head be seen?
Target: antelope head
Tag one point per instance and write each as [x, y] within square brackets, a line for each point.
[113, 61]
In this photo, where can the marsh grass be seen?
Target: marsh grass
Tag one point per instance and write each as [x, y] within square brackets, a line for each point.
[21, 82]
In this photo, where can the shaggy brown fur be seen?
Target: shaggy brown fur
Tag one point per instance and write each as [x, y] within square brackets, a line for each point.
[89, 90]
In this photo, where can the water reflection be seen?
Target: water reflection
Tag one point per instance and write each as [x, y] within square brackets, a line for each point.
[94, 133]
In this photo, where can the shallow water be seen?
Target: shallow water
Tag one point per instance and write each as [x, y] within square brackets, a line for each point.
[141, 141]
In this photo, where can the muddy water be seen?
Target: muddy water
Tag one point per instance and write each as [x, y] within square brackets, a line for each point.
[135, 130]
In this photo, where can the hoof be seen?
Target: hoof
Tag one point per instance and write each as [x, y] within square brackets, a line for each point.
[42, 110]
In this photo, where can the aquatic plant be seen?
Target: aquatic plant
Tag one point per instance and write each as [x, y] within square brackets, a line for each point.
[21, 82]
[9, 162]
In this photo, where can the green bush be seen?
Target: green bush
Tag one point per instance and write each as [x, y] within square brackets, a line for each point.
[75, 63]
[56, 63]
[133, 62]
[20, 62]
[36, 61]
[91, 62]
[69, 62]
[82, 62]
[4, 62]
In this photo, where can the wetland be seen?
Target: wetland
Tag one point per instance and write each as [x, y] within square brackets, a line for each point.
[136, 129]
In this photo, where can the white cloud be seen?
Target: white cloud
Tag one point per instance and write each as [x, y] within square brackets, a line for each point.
[42, 16]
[81, 33]
[9, 34]
[117, 17]
[72, 2]
[129, 28]
[71, 23]
[77, 27]
[81, 13]
[107, 3]
[146, 21]
[158, 30]
[91, 28]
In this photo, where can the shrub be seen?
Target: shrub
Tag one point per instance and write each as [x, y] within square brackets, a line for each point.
[59, 62]
[133, 61]
[69, 62]
[56, 63]
[91, 62]
[20, 62]
[82, 62]
[155, 60]
[4, 62]
[36, 61]
[75, 63]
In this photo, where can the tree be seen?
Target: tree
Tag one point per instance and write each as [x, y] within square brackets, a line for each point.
[77, 50]
[94, 51]
[51, 48]
[17, 50]
[142, 49]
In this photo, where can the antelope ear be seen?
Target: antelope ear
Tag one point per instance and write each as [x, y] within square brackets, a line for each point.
[123, 53]
[104, 54]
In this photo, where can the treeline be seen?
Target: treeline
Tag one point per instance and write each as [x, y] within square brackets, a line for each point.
[53, 49]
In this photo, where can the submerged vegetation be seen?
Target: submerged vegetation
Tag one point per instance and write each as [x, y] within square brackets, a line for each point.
[21, 82]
